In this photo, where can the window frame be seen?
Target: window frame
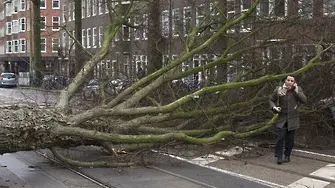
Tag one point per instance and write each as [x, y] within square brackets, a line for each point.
[53, 7]
[88, 37]
[21, 45]
[21, 24]
[53, 43]
[45, 45]
[9, 47]
[53, 22]
[165, 24]
[83, 38]
[187, 19]
[9, 26]
[22, 5]
[45, 4]
[45, 23]
[101, 34]
[175, 18]
[94, 37]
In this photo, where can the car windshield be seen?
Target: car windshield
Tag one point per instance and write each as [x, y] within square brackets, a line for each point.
[93, 82]
[4, 75]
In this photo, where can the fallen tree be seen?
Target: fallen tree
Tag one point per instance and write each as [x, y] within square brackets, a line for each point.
[205, 115]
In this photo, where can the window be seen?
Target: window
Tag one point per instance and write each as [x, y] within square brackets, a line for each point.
[88, 8]
[187, 19]
[101, 30]
[64, 13]
[8, 12]
[246, 24]
[165, 24]
[329, 7]
[23, 5]
[94, 7]
[83, 8]
[200, 14]
[55, 45]
[22, 45]
[176, 22]
[100, 7]
[9, 47]
[55, 4]
[126, 62]
[55, 23]
[263, 9]
[83, 37]
[43, 23]
[231, 13]
[15, 25]
[305, 8]
[15, 6]
[64, 42]
[215, 16]
[69, 13]
[137, 30]
[73, 12]
[278, 8]
[106, 6]
[9, 28]
[16, 46]
[70, 41]
[89, 34]
[145, 27]
[22, 24]
[94, 37]
[43, 45]
[42, 4]
[126, 32]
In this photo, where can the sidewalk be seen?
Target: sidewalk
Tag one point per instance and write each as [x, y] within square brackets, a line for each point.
[10, 180]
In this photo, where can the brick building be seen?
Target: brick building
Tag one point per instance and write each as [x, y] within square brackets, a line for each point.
[129, 50]
[16, 47]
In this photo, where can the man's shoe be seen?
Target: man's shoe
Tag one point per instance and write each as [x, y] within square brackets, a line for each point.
[286, 159]
[279, 160]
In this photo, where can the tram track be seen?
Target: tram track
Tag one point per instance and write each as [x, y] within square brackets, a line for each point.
[104, 184]
[77, 171]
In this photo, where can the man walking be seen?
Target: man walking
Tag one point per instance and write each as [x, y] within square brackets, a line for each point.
[284, 101]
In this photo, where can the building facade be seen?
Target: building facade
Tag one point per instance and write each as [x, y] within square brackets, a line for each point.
[310, 20]
[16, 36]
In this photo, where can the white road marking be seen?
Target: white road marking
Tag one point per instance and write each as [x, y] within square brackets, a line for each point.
[249, 178]
[314, 153]
[204, 160]
[327, 172]
[232, 151]
[309, 183]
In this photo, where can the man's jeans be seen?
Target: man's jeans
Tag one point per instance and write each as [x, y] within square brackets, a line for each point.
[288, 137]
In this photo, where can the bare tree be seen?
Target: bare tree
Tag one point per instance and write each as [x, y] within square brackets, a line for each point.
[233, 107]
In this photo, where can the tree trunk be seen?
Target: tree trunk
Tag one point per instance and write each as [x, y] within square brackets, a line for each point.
[38, 68]
[154, 37]
[79, 54]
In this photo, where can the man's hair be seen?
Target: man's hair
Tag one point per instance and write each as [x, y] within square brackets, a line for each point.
[295, 77]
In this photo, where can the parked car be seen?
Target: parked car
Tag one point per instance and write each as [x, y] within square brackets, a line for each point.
[8, 79]
[113, 87]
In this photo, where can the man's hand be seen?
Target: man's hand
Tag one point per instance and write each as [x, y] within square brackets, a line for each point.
[276, 109]
[295, 88]
[282, 92]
